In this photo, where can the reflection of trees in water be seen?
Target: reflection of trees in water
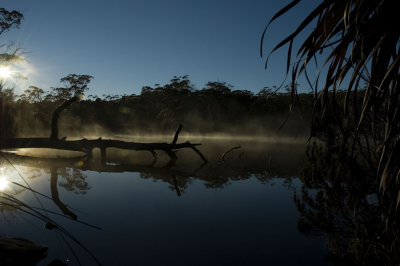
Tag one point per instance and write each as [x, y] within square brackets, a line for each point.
[70, 173]
[211, 175]
[55, 196]
[177, 183]
[33, 173]
[13, 206]
[73, 180]
[340, 200]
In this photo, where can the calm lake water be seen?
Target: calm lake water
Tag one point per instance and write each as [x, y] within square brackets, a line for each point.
[237, 212]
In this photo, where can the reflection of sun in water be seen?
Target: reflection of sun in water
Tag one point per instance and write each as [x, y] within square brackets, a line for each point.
[5, 72]
[3, 180]
[3, 183]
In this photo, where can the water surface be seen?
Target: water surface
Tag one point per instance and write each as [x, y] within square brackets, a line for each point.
[237, 212]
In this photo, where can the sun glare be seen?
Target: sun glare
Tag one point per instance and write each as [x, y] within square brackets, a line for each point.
[5, 72]
[3, 183]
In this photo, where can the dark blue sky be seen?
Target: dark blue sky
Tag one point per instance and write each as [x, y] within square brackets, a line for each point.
[129, 44]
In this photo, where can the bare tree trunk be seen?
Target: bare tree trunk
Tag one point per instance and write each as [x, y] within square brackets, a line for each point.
[56, 115]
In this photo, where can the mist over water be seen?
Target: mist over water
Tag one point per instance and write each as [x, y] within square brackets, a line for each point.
[250, 150]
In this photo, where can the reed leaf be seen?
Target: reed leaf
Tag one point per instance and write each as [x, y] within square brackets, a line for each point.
[364, 59]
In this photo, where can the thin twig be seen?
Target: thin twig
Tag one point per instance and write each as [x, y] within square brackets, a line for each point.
[228, 151]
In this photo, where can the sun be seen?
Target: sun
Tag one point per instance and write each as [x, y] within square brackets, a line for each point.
[5, 72]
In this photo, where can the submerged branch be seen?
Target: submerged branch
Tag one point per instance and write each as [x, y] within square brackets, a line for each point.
[228, 151]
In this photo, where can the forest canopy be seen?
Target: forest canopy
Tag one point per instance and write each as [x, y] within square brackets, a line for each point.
[216, 108]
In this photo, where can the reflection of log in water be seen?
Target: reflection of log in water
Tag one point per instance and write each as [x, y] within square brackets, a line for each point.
[176, 178]
[213, 175]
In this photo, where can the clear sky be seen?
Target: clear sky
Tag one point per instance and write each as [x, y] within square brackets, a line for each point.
[126, 45]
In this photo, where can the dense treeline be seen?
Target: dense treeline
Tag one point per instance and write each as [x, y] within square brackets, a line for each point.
[216, 108]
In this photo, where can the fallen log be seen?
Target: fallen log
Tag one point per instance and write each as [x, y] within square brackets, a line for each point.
[87, 146]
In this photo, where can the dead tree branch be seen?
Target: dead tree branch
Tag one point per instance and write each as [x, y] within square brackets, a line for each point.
[228, 151]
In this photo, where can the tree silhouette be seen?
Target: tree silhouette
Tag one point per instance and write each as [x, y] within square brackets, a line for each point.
[8, 20]
[33, 95]
[77, 86]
